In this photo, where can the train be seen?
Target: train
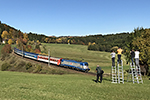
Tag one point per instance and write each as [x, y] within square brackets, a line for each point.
[82, 66]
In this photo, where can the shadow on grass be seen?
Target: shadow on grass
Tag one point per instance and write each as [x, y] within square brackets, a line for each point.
[104, 79]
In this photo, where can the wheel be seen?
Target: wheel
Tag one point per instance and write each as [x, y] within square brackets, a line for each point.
[86, 71]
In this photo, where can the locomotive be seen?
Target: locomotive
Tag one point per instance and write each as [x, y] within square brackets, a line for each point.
[82, 66]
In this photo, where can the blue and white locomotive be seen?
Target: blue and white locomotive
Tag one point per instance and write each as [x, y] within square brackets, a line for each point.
[83, 66]
[75, 65]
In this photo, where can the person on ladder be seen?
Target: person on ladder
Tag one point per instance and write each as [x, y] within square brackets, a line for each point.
[137, 58]
[113, 58]
[132, 56]
[119, 50]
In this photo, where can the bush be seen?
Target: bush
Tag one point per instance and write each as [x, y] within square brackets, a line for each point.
[13, 60]
[5, 51]
[21, 64]
[28, 65]
[5, 66]
[37, 69]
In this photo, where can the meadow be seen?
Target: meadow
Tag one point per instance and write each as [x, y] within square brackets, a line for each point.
[27, 86]
[80, 53]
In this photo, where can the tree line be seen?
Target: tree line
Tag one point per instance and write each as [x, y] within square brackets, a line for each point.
[94, 42]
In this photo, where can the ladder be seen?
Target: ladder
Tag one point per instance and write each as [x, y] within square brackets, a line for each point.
[120, 72]
[131, 73]
[139, 77]
[114, 74]
[135, 73]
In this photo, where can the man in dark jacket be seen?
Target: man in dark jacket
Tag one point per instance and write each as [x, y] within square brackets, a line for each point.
[132, 56]
[99, 74]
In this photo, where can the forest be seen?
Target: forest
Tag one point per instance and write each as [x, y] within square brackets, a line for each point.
[139, 39]
[95, 42]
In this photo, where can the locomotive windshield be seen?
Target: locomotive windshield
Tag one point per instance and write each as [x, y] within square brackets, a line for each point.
[86, 64]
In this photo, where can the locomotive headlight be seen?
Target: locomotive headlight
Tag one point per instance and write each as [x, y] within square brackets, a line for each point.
[85, 67]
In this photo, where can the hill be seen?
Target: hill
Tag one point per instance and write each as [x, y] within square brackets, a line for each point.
[80, 53]
[13, 62]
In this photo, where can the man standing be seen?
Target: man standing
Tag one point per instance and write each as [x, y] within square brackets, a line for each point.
[113, 58]
[99, 73]
[132, 56]
[137, 58]
[119, 54]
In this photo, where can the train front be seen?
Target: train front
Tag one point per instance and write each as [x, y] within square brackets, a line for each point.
[85, 66]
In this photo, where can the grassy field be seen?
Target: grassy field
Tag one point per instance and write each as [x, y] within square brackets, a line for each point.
[26, 86]
[80, 53]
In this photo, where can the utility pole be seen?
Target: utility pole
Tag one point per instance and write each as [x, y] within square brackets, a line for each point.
[22, 51]
[48, 57]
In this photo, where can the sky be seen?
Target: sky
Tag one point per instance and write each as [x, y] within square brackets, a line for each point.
[75, 17]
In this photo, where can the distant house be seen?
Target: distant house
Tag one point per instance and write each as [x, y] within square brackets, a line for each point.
[51, 36]
[3, 42]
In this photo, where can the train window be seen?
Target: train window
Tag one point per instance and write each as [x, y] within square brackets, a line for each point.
[86, 64]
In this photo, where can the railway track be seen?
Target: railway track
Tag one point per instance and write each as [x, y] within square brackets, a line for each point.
[55, 66]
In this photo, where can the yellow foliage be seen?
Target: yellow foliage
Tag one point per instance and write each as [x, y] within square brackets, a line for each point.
[17, 42]
[115, 48]
[4, 34]
[59, 40]
[44, 54]
[46, 39]
[93, 43]
[89, 43]
[10, 41]
[25, 36]
[68, 41]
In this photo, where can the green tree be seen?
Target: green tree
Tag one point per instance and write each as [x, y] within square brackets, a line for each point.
[142, 43]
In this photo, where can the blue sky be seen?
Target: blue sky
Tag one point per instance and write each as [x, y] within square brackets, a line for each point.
[75, 17]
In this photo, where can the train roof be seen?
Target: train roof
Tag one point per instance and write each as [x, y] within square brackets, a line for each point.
[26, 52]
[50, 57]
[31, 53]
[73, 61]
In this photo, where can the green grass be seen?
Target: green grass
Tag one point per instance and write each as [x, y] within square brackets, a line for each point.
[80, 53]
[26, 86]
